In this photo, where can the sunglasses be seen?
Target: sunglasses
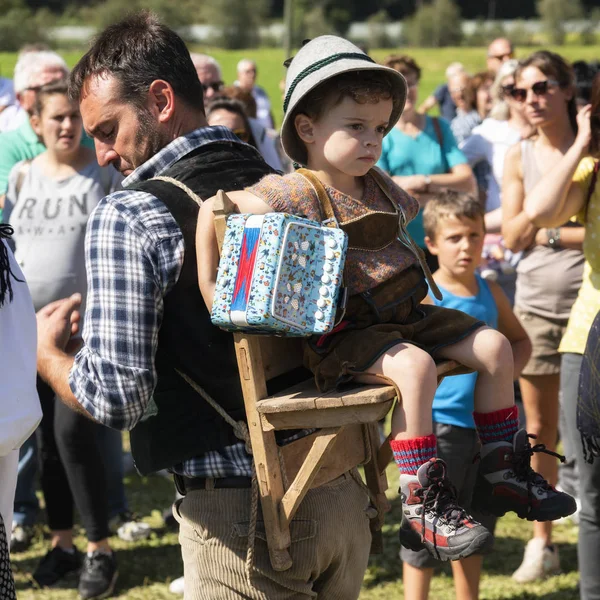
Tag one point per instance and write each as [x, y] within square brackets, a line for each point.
[507, 89]
[215, 87]
[502, 57]
[539, 88]
[242, 134]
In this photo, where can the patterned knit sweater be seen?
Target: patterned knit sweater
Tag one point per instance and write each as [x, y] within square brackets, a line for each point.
[364, 270]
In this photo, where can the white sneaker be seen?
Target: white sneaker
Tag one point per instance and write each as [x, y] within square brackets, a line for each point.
[128, 528]
[177, 586]
[539, 562]
[571, 519]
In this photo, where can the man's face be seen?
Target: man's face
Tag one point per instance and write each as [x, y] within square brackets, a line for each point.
[48, 75]
[461, 91]
[211, 82]
[499, 51]
[247, 76]
[125, 135]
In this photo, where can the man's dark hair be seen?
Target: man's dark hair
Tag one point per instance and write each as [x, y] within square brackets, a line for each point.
[137, 51]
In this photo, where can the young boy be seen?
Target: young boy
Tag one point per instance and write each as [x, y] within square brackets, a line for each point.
[454, 229]
[338, 106]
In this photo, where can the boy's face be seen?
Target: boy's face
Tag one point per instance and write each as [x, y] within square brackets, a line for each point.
[347, 137]
[458, 244]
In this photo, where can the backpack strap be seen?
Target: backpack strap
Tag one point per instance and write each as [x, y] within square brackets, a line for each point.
[440, 139]
[323, 197]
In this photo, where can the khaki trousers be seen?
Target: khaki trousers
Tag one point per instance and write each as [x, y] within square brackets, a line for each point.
[330, 545]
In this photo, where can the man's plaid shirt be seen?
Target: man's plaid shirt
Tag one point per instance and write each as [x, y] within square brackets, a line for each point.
[134, 255]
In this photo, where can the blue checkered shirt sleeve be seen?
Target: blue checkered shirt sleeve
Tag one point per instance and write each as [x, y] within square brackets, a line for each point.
[134, 253]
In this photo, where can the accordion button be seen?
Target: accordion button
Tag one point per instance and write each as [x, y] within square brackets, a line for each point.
[329, 255]
[325, 278]
[332, 244]
[323, 291]
[319, 315]
[321, 303]
[327, 268]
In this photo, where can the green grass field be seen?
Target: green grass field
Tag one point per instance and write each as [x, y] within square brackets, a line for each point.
[147, 567]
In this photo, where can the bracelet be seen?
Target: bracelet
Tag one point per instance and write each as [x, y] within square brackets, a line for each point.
[553, 238]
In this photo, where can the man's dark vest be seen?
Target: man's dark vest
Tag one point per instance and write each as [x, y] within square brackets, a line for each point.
[178, 423]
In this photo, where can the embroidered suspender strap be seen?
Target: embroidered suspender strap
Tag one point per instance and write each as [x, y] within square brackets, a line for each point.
[319, 65]
[403, 235]
[330, 220]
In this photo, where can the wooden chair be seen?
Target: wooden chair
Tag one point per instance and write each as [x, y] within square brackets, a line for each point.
[346, 421]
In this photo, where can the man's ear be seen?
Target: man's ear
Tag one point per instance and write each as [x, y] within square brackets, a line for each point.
[36, 124]
[431, 245]
[304, 128]
[161, 99]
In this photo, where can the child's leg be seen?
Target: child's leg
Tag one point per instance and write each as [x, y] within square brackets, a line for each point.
[507, 482]
[416, 582]
[431, 515]
[467, 573]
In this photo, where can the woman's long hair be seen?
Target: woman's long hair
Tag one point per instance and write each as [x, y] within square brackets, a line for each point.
[500, 109]
[595, 118]
[555, 66]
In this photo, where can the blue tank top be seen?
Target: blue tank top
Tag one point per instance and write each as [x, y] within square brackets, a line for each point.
[453, 401]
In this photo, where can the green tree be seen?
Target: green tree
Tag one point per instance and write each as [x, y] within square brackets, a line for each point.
[554, 13]
[236, 22]
[19, 26]
[436, 24]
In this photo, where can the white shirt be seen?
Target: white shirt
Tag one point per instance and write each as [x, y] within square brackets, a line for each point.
[490, 141]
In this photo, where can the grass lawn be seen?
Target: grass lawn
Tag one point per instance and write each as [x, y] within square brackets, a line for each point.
[147, 567]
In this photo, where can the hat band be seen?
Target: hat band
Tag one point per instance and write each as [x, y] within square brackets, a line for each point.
[319, 65]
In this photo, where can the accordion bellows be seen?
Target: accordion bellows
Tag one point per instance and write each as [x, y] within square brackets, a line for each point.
[279, 274]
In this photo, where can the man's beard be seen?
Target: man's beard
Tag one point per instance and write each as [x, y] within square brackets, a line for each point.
[147, 139]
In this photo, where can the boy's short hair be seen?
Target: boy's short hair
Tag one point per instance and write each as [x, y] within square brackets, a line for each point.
[450, 203]
[362, 86]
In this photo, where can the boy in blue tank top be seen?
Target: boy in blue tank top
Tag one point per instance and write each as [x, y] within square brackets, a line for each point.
[454, 229]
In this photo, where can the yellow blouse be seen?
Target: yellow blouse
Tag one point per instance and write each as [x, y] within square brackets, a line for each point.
[587, 305]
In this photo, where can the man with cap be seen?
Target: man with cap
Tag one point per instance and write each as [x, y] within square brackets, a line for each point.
[146, 322]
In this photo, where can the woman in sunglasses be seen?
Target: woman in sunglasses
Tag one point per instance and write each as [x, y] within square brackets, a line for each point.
[549, 273]
[572, 189]
[488, 144]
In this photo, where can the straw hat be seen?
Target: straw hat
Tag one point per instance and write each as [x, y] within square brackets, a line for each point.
[319, 60]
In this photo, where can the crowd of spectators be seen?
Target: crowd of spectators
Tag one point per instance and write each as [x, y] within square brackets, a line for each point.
[509, 135]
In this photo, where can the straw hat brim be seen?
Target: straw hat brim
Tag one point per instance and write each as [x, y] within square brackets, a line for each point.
[290, 141]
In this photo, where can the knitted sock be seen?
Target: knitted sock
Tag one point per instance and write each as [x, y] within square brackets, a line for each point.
[498, 426]
[411, 454]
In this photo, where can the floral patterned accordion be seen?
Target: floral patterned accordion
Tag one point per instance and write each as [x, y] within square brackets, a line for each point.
[279, 274]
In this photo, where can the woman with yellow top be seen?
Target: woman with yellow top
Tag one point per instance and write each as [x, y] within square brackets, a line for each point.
[570, 190]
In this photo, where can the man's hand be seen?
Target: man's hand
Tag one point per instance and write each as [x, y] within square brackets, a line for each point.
[57, 322]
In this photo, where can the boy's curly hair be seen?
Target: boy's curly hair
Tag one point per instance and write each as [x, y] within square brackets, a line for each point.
[450, 203]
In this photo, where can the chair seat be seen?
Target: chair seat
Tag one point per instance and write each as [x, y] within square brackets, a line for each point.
[303, 406]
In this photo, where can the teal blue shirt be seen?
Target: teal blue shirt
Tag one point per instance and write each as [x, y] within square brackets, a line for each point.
[422, 155]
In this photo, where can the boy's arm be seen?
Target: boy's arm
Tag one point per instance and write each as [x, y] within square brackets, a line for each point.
[207, 249]
[509, 325]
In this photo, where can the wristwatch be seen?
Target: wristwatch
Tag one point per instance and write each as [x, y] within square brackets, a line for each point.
[427, 182]
[553, 238]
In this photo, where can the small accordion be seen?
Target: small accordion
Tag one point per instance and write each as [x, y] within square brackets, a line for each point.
[279, 274]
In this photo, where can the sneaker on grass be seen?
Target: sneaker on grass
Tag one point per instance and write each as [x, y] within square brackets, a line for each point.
[98, 575]
[20, 537]
[506, 482]
[56, 565]
[129, 528]
[539, 561]
[177, 586]
[432, 518]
